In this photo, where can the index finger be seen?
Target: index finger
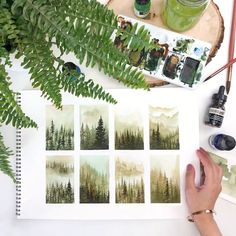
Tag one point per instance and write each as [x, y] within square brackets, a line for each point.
[207, 165]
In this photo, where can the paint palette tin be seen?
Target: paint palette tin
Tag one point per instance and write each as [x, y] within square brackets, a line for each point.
[179, 59]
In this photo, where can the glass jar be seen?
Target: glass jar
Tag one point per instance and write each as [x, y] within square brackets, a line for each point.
[142, 8]
[181, 15]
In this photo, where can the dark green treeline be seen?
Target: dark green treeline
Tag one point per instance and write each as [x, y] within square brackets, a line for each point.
[94, 138]
[129, 140]
[130, 192]
[59, 193]
[59, 139]
[169, 141]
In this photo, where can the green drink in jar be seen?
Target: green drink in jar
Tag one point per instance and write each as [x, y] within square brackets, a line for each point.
[181, 15]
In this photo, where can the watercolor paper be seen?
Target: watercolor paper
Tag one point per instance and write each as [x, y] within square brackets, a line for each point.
[104, 161]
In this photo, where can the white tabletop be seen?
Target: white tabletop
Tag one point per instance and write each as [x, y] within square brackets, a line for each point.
[226, 211]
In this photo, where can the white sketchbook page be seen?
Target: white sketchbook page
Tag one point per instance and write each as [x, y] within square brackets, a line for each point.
[33, 185]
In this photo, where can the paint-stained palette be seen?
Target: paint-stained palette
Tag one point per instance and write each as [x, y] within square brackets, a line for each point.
[178, 59]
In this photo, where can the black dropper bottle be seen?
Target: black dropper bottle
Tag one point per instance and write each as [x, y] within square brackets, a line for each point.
[217, 110]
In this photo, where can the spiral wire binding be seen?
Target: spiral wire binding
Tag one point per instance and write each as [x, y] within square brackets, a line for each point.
[18, 164]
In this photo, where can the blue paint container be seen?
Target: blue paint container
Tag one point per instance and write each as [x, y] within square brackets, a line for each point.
[222, 142]
[70, 66]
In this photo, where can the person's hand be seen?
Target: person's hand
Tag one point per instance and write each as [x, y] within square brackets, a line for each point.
[204, 196]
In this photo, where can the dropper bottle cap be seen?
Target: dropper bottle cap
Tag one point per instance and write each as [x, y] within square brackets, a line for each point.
[221, 94]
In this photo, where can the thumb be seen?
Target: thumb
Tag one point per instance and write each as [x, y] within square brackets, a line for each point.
[189, 178]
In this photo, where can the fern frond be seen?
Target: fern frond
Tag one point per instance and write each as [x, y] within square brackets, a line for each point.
[99, 20]
[8, 28]
[10, 111]
[38, 59]
[76, 84]
[68, 39]
[5, 165]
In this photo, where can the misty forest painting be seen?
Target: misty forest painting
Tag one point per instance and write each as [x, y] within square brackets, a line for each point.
[60, 128]
[128, 128]
[163, 128]
[59, 179]
[94, 127]
[94, 179]
[165, 179]
[129, 180]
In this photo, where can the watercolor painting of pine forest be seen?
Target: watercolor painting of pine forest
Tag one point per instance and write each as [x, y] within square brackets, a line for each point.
[129, 180]
[60, 128]
[59, 179]
[229, 175]
[128, 129]
[94, 127]
[163, 128]
[165, 179]
[94, 179]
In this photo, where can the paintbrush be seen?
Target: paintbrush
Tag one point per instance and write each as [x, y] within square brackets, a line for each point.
[230, 63]
[231, 48]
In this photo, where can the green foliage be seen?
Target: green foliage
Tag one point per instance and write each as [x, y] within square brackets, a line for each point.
[5, 165]
[10, 110]
[82, 27]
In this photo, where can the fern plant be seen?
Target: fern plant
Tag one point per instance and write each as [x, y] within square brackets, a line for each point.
[31, 28]
[5, 165]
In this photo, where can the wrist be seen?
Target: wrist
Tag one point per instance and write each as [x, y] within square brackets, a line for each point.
[202, 219]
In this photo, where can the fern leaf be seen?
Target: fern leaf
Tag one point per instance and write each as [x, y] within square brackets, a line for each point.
[39, 59]
[84, 41]
[76, 84]
[10, 110]
[5, 165]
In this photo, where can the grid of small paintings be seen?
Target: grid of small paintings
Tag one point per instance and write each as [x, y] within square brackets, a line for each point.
[113, 156]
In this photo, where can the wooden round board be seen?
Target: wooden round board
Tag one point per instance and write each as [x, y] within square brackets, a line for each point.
[210, 28]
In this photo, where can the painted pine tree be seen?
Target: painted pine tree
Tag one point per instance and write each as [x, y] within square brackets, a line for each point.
[101, 138]
[59, 139]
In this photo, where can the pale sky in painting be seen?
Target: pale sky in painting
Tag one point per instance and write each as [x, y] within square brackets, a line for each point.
[60, 159]
[128, 117]
[90, 114]
[165, 163]
[157, 111]
[63, 117]
[100, 163]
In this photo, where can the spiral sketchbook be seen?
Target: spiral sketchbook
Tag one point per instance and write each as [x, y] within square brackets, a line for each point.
[95, 160]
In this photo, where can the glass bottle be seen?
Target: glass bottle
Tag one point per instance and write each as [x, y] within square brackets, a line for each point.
[181, 15]
[217, 109]
[142, 8]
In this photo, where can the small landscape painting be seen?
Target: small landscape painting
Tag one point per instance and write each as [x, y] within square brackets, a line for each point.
[229, 175]
[165, 179]
[129, 179]
[163, 128]
[60, 128]
[59, 179]
[128, 128]
[94, 129]
[94, 179]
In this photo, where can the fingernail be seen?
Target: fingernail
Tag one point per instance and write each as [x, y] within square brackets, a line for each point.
[189, 167]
